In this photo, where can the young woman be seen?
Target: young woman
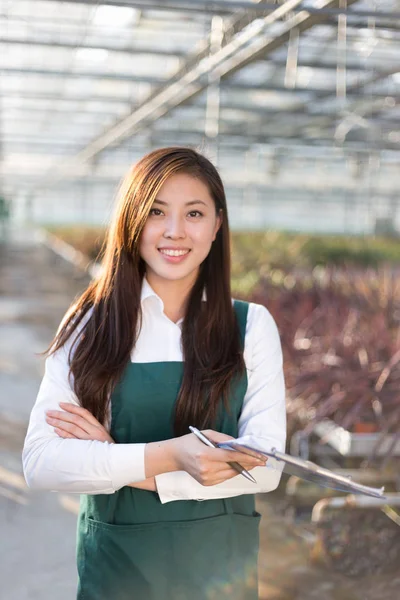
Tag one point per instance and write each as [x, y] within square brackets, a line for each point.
[154, 345]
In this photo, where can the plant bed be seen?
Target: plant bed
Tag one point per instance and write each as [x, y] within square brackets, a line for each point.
[358, 542]
[340, 332]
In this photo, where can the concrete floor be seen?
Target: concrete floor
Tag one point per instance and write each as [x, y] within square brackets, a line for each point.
[37, 553]
[37, 529]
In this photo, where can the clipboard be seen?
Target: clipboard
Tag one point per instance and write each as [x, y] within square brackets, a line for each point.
[305, 469]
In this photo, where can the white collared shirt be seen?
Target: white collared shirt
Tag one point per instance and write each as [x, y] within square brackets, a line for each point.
[93, 467]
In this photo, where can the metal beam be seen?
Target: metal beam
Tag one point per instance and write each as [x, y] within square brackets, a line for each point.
[287, 115]
[27, 95]
[35, 114]
[359, 23]
[351, 64]
[228, 140]
[226, 7]
[175, 26]
[26, 112]
[83, 75]
[279, 62]
[74, 46]
[185, 6]
[354, 22]
[158, 81]
[199, 102]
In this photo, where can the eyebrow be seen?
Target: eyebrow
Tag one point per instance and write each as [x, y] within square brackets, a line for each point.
[190, 203]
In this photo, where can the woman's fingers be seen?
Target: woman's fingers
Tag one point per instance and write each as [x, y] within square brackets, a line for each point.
[220, 476]
[64, 434]
[245, 459]
[66, 417]
[79, 423]
[221, 472]
[69, 428]
[225, 475]
[81, 412]
[216, 436]
[227, 456]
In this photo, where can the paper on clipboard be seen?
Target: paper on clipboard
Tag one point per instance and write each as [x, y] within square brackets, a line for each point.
[305, 469]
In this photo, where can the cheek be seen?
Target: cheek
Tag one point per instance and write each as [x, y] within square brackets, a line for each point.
[145, 244]
[203, 237]
[149, 235]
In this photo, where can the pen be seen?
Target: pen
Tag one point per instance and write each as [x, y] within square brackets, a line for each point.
[234, 465]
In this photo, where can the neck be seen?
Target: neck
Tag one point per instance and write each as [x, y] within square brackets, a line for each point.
[174, 294]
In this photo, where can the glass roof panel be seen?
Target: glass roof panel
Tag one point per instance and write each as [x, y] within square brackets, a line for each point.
[71, 70]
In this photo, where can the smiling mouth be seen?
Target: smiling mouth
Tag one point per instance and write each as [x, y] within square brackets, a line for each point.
[173, 252]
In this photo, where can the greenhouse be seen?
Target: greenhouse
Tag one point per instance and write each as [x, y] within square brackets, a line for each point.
[294, 104]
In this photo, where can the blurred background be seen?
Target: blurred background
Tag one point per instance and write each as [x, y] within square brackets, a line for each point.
[298, 104]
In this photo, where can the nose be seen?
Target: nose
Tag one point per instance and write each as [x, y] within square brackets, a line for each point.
[174, 228]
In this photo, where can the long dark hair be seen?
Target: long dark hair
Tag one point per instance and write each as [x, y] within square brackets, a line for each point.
[210, 335]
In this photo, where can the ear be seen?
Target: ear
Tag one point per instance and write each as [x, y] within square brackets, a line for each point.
[218, 224]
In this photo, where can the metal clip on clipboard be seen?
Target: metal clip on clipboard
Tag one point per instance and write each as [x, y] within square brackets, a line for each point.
[305, 469]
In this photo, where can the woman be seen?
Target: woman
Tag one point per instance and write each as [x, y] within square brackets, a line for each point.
[155, 344]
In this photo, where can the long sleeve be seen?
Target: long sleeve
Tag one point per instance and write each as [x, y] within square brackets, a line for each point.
[76, 466]
[262, 422]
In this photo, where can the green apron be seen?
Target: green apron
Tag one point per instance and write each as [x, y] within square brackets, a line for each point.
[132, 547]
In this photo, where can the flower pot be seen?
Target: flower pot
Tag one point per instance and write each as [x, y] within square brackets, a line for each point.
[365, 427]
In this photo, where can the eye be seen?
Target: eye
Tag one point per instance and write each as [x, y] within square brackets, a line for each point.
[155, 212]
[195, 213]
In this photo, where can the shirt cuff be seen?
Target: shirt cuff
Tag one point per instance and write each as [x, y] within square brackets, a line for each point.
[174, 486]
[126, 464]
[179, 485]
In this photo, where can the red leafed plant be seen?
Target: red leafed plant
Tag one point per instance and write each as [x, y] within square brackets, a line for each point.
[340, 331]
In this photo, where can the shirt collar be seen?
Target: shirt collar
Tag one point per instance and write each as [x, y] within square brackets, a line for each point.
[148, 292]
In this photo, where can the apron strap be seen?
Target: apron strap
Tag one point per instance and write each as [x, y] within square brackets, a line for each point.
[241, 309]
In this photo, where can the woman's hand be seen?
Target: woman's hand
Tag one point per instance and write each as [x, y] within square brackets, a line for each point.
[77, 423]
[207, 465]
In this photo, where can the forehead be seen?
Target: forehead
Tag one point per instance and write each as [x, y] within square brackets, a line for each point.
[182, 187]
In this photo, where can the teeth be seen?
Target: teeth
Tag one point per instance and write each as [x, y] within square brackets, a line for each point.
[174, 252]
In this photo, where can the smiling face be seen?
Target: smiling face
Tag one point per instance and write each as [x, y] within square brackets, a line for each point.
[179, 231]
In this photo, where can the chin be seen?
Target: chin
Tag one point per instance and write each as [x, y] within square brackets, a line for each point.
[174, 274]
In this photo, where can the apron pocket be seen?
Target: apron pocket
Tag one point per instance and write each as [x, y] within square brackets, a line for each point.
[202, 559]
[120, 562]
